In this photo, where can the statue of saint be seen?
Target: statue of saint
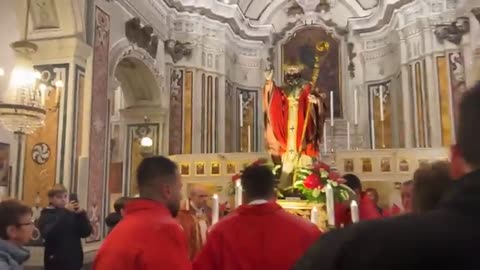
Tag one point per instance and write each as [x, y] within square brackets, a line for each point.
[294, 118]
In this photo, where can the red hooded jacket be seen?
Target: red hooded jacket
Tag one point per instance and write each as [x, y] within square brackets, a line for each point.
[256, 237]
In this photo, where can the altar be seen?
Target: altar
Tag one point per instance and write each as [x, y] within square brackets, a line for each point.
[383, 170]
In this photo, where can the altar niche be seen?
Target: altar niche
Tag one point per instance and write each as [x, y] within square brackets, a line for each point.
[319, 54]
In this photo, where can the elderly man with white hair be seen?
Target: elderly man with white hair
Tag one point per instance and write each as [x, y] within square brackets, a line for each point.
[195, 218]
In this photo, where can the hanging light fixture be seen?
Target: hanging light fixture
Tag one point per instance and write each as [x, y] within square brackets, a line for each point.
[23, 110]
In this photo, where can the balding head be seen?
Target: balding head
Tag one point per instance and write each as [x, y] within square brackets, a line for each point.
[198, 195]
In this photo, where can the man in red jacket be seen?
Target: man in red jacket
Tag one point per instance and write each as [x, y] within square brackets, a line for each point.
[259, 235]
[149, 238]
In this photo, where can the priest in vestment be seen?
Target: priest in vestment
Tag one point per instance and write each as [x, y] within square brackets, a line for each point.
[294, 118]
[195, 218]
[259, 234]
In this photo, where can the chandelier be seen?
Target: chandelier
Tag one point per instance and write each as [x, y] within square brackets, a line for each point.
[23, 109]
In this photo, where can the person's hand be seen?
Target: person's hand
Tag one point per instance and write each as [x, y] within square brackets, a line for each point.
[312, 99]
[73, 206]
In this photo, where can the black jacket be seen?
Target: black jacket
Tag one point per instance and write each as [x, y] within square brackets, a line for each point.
[62, 231]
[445, 238]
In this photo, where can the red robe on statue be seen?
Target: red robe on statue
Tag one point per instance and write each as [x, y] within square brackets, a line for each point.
[256, 237]
[278, 122]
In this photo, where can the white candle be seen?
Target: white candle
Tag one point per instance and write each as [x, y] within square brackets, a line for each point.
[238, 193]
[330, 205]
[354, 212]
[249, 145]
[348, 136]
[355, 106]
[215, 209]
[382, 117]
[373, 133]
[187, 205]
[240, 100]
[325, 148]
[331, 109]
[314, 215]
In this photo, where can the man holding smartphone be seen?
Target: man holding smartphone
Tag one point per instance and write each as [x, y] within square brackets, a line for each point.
[62, 225]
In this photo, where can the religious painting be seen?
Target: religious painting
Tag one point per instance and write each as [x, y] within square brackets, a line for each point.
[199, 168]
[4, 164]
[348, 165]
[185, 169]
[403, 165]
[231, 168]
[317, 51]
[367, 165]
[423, 163]
[385, 165]
[215, 168]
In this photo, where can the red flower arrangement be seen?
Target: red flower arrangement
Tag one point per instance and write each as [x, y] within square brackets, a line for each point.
[311, 182]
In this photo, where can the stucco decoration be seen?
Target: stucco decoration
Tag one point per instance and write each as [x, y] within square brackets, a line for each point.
[142, 35]
[453, 32]
[178, 50]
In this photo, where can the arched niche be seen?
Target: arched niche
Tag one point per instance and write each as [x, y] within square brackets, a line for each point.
[146, 86]
[302, 37]
[137, 91]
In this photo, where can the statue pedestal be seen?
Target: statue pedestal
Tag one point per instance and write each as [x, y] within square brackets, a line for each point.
[303, 209]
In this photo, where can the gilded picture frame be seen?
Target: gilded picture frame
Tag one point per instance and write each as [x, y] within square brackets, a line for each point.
[199, 168]
[185, 169]
[231, 168]
[215, 168]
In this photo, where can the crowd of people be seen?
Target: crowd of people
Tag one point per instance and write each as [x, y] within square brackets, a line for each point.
[437, 228]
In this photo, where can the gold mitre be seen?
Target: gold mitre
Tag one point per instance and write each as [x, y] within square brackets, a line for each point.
[293, 68]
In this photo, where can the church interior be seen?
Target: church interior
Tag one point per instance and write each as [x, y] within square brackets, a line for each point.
[116, 81]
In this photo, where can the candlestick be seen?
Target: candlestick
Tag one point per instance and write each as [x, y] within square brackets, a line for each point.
[332, 123]
[354, 212]
[372, 133]
[355, 106]
[314, 215]
[325, 148]
[238, 193]
[249, 139]
[240, 100]
[215, 209]
[348, 136]
[382, 116]
[330, 205]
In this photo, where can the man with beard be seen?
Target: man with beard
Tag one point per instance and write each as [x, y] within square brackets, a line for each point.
[149, 237]
[294, 118]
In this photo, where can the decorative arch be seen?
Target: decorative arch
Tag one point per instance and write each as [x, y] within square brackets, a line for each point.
[291, 45]
[122, 50]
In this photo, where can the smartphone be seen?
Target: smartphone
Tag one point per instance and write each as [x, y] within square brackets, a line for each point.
[73, 197]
